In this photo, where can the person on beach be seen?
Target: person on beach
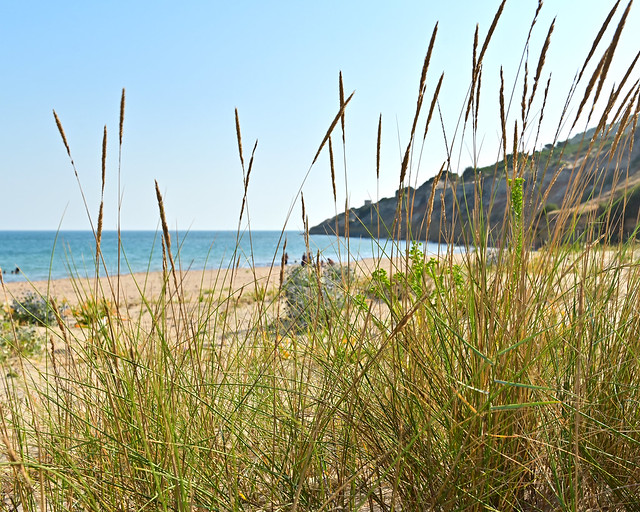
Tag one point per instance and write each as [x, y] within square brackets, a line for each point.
[303, 261]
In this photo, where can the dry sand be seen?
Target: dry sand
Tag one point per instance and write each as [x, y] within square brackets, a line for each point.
[131, 288]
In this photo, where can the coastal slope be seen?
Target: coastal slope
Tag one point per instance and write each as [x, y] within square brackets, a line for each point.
[594, 176]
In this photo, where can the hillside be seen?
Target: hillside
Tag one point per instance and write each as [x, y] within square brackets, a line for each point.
[593, 176]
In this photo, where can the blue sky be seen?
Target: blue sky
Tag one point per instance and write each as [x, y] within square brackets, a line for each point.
[186, 66]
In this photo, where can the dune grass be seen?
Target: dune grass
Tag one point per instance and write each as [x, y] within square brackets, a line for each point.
[497, 379]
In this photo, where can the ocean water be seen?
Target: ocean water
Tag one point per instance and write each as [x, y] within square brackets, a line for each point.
[42, 255]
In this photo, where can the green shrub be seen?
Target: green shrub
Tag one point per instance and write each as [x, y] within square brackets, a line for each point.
[21, 341]
[313, 295]
[33, 309]
[92, 311]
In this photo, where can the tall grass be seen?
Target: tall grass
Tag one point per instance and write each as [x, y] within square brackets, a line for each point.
[503, 378]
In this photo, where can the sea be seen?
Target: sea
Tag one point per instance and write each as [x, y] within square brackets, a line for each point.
[44, 255]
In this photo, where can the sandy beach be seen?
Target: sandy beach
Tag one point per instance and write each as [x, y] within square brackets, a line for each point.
[129, 290]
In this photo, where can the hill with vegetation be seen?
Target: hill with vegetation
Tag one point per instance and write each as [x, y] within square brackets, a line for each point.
[592, 178]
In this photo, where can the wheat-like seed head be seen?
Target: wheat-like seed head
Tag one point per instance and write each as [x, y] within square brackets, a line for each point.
[239, 138]
[432, 196]
[600, 74]
[623, 121]
[492, 28]
[623, 104]
[433, 105]
[62, 134]
[540, 118]
[516, 172]
[99, 230]
[122, 103]
[474, 53]
[331, 127]
[164, 259]
[283, 263]
[477, 104]
[608, 55]
[104, 159]
[163, 219]
[341, 106]
[253, 152]
[503, 122]
[474, 72]
[614, 95]
[427, 60]
[333, 171]
[587, 92]
[596, 41]
[523, 102]
[541, 60]
[378, 147]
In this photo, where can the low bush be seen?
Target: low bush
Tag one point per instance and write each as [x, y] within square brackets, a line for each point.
[33, 309]
[313, 295]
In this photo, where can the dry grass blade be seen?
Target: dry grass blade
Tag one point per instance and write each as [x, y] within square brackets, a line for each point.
[474, 53]
[623, 123]
[104, 160]
[253, 152]
[405, 163]
[614, 96]
[544, 104]
[523, 102]
[474, 73]
[239, 138]
[432, 196]
[15, 461]
[379, 140]
[62, 134]
[503, 122]
[163, 220]
[596, 41]
[541, 61]
[492, 28]
[477, 103]
[99, 229]
[608, 55]
[433, 105]
[331, 127]
[600, 74]
[427, 60]
[166, 236]
[516, 170]
[246, 181]
[423, 77]
[333, 171]
[283, 264]
[122, 105]
[341, 87]
[421, 89]
[102, 183]
[423, 73]
[73, 165]
[587, 93]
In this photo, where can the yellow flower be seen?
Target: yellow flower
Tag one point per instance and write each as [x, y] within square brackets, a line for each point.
[284, 353]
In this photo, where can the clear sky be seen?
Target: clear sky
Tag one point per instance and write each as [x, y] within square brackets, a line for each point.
[187, 65]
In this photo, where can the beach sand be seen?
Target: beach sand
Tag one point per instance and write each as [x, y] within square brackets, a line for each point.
[130, 289]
